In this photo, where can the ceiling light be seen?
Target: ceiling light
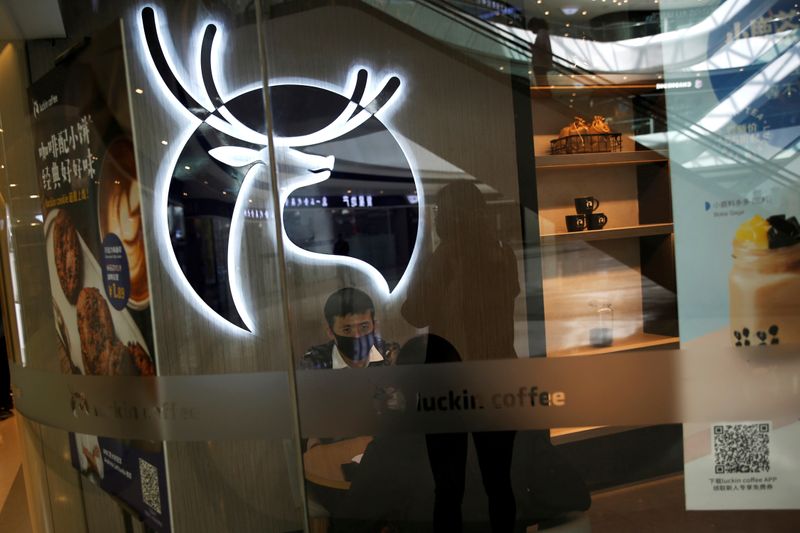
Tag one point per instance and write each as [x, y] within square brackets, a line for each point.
[569, 10]
[139, 91]
[164, 142]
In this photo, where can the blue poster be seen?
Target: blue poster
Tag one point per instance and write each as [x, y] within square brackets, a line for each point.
[733, 143]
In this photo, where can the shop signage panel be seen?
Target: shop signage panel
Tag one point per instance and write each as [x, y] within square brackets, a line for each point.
[326, 137]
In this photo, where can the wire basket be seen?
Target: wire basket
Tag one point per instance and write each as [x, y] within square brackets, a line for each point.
[587, 143]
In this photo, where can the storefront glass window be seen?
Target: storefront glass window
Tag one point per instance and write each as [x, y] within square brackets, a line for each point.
[388, 266]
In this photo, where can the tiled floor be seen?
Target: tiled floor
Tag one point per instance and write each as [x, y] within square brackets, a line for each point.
[13, 503]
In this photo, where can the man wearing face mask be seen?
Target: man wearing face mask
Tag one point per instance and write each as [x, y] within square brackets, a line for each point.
[350, 315]
[350, 318]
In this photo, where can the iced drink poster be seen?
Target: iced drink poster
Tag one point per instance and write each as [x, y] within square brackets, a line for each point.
[737, 244]
[95, 250]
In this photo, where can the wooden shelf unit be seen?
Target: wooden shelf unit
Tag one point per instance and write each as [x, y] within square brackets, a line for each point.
[630, 263]
[642, 230]
[636, 157]
[635, 193]
[639, 341]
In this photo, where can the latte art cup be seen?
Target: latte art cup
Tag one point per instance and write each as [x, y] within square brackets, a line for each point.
[764, 290]
[119, 212]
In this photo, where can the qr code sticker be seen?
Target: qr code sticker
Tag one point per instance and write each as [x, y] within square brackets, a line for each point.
[151, 495]
[741, 448]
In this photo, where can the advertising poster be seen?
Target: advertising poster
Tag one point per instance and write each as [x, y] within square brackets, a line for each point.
[95, 252]
[736, 191]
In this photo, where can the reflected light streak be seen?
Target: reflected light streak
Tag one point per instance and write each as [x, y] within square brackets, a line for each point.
[756, 87]
[743, 53]
[642, 54]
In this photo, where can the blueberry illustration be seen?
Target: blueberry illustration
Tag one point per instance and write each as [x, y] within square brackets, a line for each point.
[746, 342]
[737, 335]
[773, 330]
[775, 341]
[761, 335]
[746, 332]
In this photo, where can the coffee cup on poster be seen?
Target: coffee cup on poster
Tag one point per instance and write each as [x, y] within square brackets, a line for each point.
[596, 220]
[576, 222]
[586, 205]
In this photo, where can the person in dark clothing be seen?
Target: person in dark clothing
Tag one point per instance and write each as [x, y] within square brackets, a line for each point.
[541, 54]
[350, 317]
[341, 246]
[6, 403]
[465, 296]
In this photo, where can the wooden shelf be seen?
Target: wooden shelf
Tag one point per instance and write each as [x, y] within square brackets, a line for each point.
[582, 83]
[634, 342]
[638, 157]
[644, 230]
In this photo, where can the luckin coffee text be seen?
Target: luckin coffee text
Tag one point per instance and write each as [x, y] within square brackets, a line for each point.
[466, 401]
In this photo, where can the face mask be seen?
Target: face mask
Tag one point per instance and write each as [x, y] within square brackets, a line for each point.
[355, 348]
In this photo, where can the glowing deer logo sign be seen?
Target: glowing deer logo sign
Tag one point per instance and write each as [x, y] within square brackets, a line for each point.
[345, 170]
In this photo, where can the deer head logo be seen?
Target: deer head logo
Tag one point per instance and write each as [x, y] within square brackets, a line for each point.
[329, 141]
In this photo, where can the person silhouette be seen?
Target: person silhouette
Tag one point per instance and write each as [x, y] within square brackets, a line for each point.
[465, 295]
[341, 246]
[541, 54]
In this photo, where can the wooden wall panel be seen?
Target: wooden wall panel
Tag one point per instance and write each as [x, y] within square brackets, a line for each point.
[456, 113]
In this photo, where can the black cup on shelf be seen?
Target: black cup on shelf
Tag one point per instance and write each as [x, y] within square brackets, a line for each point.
[586, 205]
[576, 222]
[596, 220]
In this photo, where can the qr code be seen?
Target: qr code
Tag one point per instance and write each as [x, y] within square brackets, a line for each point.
[151, 495]
[741, 448]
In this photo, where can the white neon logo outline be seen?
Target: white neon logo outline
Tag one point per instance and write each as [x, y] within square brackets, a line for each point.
[169, 163]
[166, 168]
[385, 113]
[235, 245]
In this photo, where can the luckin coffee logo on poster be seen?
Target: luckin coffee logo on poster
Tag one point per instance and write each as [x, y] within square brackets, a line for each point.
[40, 107]
[331, 146]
